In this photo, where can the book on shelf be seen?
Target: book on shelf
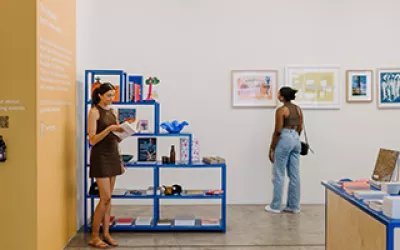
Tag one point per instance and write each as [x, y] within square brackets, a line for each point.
[135, 192]
[194, 192]
[210, 222]
[185, 220]
[112, 220]
[143, 221]
[164, 222]
[119, 191]
[124, 222]
[147, 149]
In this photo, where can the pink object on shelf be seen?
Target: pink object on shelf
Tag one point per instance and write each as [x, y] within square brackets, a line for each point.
[184, 149]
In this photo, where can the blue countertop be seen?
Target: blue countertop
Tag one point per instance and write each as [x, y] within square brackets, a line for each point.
[360, 204]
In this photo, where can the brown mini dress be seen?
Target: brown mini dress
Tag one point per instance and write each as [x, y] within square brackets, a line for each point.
[105, 160]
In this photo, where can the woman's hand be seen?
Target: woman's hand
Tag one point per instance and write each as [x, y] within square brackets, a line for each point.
[271, 156]
[115, 128]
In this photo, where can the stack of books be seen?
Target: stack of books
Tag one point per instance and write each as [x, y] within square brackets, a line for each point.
[370, 194]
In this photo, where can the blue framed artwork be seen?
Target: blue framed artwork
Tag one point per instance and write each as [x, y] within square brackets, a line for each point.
[359, 85]
[389, 88]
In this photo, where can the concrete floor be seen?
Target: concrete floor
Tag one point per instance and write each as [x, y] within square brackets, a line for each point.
[248, 227]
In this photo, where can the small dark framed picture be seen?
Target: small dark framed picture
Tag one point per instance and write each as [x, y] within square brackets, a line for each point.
[359, 85]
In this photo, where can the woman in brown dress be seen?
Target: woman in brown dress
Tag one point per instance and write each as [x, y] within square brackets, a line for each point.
[105, 161]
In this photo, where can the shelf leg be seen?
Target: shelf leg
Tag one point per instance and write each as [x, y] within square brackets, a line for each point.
[223, 184]
[190, 148]
[156, 205]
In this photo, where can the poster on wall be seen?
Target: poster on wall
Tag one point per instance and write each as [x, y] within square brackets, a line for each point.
[359, 85]
[389, 88]
[318, 86]
[254, 88]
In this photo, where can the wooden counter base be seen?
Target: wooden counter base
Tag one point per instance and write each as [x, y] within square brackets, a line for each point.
[349, 228]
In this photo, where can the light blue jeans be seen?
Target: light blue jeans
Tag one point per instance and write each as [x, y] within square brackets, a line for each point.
[287, 157]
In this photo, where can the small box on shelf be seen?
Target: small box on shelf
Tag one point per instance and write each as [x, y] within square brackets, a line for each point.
[213, 160]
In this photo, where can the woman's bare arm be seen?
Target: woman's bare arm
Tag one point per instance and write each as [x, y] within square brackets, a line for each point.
[92, 123]
[278, 127]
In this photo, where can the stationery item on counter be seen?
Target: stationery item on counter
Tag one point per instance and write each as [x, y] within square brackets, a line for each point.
[386, 166]
[370, 194]
[391, 187]
[391, 207]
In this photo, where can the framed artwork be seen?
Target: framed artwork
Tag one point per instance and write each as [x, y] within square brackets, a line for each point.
[388, 88]
[359, 85]
[318, 85]
[254, 88]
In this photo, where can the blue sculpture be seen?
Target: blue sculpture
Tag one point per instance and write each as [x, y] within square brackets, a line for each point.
[174, 127]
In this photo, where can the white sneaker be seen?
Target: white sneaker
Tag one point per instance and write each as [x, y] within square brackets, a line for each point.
[293, 211]
[269, 209]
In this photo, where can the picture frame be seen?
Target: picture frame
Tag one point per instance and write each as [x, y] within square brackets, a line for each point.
[388, 94]
[359, 85]
[318, 86]
[254, 88]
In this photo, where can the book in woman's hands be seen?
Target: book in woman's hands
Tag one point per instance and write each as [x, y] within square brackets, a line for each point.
[129, 129]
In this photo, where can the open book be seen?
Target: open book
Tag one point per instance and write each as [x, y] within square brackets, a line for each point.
[129, 129]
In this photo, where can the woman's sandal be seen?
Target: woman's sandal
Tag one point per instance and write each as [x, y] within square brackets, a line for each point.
[111, 242]
[98, 243]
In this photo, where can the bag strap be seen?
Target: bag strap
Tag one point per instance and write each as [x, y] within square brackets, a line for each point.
[305, 132]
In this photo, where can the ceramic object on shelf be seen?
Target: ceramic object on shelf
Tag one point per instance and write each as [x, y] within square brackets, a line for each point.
[126, 158]
[174, 127]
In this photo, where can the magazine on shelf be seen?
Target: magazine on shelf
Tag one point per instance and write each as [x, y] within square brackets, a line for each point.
[147, 148]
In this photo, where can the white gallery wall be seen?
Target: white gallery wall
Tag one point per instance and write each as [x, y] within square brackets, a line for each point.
[192, 46]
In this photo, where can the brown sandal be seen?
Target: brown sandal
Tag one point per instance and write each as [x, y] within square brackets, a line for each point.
[98, 243]
[110, 241]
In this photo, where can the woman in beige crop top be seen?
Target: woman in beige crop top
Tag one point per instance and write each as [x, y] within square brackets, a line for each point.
[284, 152]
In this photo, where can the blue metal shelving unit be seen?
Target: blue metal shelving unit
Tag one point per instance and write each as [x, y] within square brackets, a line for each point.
[124, 97]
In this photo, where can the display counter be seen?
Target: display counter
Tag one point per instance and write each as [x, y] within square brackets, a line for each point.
[350, 224]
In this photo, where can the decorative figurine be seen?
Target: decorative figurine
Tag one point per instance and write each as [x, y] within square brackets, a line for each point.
[151, 81]
[174, 127]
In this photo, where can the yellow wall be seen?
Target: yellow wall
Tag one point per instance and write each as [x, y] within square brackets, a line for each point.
[56, 182]
[18, 174]
[37, 182]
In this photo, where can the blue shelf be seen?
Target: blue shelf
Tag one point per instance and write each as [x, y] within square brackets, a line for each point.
[170, 197]
[141, 103]
[192, 197]
[162, 135]
[124, 100]
[124, 196]
[165, 228]
[183, 165]
[161, 165]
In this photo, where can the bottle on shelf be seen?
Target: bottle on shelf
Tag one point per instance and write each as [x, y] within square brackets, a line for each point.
[172, 155]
